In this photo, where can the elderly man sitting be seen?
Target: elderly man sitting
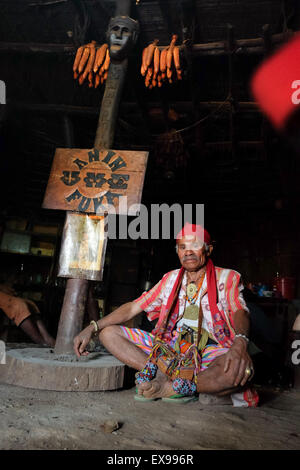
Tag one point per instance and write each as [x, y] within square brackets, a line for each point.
[199, 344]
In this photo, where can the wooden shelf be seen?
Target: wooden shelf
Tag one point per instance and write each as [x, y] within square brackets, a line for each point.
[32, 233]
[26, 254]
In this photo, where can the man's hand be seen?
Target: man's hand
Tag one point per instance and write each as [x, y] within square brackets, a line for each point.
[119, 316]
[82, 340]
[238, 361]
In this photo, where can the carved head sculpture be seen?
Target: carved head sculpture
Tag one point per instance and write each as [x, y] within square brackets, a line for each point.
[122, 35]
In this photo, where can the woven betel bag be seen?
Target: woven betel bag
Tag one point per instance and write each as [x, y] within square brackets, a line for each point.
[185, 361]
[176, 365]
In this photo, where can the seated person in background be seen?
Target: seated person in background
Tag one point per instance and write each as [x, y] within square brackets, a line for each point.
[25, 314]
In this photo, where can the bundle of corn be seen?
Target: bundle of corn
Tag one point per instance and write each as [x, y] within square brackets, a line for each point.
[92, 62]
[159, 66]
[170, 151]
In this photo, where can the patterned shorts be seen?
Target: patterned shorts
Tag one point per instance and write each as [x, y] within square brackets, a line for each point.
[144, 340]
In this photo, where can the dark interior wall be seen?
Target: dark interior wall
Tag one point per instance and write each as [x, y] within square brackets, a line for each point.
[260, 250]
[251, 195]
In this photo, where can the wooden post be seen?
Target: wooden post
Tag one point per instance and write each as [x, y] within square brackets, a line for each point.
[72, 314]
[110, 105]
[71, 319]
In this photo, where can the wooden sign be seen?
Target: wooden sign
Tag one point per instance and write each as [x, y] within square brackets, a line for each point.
[83, 247]
[89, 180]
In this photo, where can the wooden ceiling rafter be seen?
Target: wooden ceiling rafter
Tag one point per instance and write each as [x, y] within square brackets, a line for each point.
[243, 46]
[247, 106]
[188, 26]
[230, 46]
[134, 106]
[134, 109]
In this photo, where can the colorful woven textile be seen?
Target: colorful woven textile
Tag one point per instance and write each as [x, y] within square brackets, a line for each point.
[145, 340]
[230, 299]
[140, 338]
[210, 353]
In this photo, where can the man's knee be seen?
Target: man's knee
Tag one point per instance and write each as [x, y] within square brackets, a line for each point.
[109, 332]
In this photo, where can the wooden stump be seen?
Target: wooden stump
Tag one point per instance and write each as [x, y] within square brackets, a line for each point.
[39, 368]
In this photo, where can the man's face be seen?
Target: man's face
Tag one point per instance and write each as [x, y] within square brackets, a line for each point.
[192, 253]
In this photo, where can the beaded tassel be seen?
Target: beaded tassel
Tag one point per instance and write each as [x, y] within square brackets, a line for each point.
[147, 374]
[184, 386]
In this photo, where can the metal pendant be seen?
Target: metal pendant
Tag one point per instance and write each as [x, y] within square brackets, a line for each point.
[191, 290]
[191, 312]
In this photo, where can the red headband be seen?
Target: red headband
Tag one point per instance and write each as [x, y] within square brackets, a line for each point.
[196, 230]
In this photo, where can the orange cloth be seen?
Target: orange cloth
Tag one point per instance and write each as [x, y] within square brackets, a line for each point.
[17, 309]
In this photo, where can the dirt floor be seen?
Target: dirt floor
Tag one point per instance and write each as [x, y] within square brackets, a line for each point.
[37, 419]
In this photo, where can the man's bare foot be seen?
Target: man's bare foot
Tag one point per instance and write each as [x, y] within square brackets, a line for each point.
[159, 387]
[156, 389]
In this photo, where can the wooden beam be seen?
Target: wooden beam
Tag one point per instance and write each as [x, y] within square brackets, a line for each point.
[242, 143]
[267, 39]
[164, 9]
[33, 47]
[231, 89]
[243, 46]
[188, 20]
[127, 106]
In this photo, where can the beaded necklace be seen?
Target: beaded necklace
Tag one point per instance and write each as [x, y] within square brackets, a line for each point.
[192, 290]
[191, 311]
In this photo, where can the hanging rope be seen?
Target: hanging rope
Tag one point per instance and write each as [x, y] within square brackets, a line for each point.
[195, 124]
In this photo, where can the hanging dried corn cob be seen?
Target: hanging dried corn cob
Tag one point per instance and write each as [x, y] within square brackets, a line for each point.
[170, 58]
[100, 56]
[91, 61]
[161, 65]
